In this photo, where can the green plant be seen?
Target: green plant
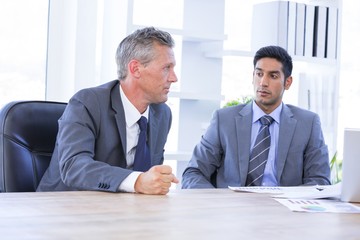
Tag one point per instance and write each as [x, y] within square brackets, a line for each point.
[234, 102]
[336, 169]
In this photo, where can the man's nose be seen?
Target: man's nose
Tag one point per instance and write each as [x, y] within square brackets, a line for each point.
[264, 81]
[173, 77]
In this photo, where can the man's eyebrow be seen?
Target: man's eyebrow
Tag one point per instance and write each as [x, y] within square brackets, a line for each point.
[271, 72]
[276, 72]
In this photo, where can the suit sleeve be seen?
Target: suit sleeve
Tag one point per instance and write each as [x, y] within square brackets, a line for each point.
[316, 157]
[205, 159]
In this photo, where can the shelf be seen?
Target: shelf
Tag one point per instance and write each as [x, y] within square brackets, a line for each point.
[240, 53]
[178, 156]
[225, 53]
[316, 60]
[196, 96]
[188, 36]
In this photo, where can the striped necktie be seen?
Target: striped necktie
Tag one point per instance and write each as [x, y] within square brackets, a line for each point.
[259, 153]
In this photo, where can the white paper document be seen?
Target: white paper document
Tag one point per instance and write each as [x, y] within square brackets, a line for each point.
[307, 205]
[303, 192]
[273, 190]
[306, 198]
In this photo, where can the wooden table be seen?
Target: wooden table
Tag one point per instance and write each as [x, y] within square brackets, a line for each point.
[182, 214]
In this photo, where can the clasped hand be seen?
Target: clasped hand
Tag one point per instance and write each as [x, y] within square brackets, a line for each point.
[156, 181]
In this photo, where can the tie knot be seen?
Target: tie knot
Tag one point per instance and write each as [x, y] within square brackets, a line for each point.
[266, 120]
[142, 123]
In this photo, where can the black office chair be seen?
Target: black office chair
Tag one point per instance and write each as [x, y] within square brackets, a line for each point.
[27, 139]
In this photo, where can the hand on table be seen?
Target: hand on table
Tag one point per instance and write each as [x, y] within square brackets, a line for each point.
[155, 181]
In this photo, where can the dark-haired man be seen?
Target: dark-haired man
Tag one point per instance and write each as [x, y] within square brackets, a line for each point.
[265, 142]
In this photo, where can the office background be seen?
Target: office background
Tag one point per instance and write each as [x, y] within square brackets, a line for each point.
[49, 49]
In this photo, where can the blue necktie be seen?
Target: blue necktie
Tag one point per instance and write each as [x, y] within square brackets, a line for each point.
[259, 153]
[142, 155]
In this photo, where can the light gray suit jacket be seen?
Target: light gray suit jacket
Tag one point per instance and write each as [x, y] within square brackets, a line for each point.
[221, 158]
[90, 151]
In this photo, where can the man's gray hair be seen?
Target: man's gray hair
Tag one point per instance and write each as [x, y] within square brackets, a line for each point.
[139, 45]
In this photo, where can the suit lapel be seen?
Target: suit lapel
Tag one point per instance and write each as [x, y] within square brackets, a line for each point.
[243, 133]
[117, 106]
[153, 131]
[286, 133]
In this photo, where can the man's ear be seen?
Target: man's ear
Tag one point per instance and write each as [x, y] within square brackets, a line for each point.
[288, 83]
[134, 68]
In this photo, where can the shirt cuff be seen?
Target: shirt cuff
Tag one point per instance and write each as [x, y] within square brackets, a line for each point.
[128, 185]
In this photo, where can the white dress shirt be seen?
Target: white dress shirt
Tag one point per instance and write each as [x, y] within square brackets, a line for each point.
[132, 115]
[269, 178]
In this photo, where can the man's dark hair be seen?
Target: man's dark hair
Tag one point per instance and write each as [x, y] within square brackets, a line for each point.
[279, 54]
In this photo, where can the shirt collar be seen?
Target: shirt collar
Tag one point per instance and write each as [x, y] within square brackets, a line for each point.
[258, 113]
[132, 115]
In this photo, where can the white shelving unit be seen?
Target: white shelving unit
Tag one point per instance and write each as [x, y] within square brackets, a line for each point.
[201, 67]
[200, 84]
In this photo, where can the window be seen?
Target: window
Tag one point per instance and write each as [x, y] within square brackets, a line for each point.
[23, 42]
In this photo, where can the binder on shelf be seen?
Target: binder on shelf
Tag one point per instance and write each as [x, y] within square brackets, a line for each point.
[309, 30]
[291, 28]
[332, 33]
[300, 29]
[282, 23]
[320, 29]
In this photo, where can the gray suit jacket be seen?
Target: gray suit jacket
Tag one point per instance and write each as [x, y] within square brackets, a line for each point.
[221, 158]
[90, 151]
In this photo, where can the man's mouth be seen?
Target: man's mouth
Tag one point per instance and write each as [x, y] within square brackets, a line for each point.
[263, 92]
